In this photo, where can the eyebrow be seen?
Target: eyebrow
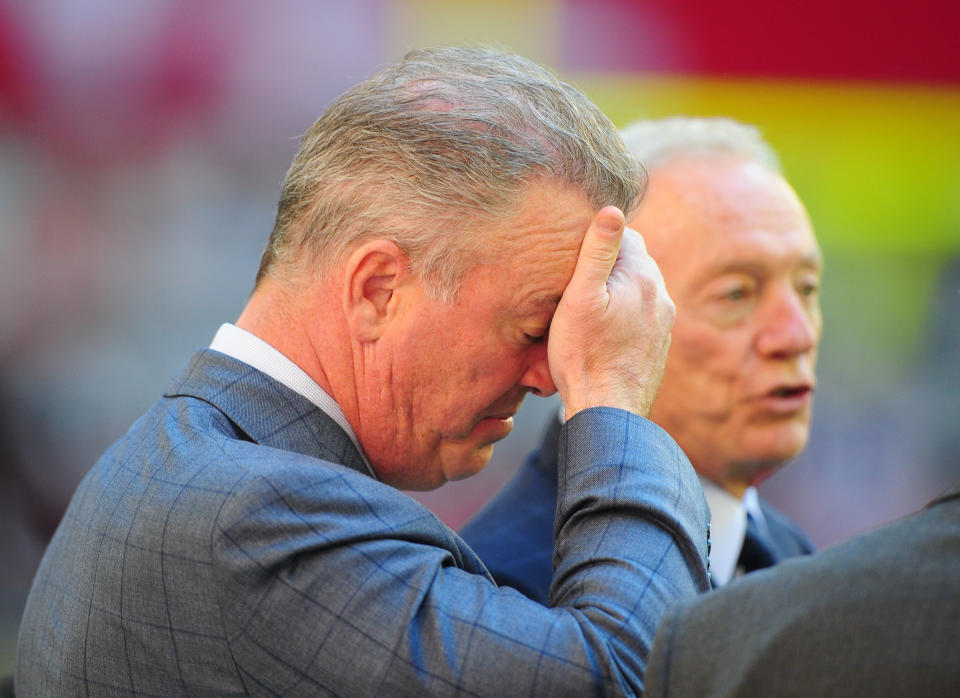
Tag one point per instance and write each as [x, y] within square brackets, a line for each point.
[814, 260]
[539, 303]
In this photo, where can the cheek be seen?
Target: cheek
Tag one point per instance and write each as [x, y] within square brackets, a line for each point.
[703, 362]
[497, 366]
[818, 330]
[472, 382]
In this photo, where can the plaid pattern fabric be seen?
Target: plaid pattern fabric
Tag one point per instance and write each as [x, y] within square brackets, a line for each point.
[231, 544]
[513, 533]
[877, 615]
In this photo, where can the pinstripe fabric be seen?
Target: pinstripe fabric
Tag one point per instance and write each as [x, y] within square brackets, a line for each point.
[513, 533]
[231, 544]
[878, 615]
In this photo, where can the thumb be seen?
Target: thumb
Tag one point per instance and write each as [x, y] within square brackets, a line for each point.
[599, 250]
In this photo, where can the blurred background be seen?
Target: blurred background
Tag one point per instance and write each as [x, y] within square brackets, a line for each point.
[142, 145]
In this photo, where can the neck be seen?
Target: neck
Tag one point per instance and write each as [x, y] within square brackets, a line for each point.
[282, 319]
[735, 487]
[735, 478]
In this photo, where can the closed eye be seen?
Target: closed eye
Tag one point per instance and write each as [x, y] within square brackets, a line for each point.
[736, 294]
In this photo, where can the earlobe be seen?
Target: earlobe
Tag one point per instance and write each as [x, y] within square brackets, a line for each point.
[373, 274]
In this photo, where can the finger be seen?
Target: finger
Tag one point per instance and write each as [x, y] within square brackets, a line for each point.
[599, 250]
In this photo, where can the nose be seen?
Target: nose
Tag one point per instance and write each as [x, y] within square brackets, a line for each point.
[537, 376]
[790, 325]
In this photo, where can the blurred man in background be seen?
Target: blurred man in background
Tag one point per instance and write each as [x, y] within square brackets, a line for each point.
[741, 262]
[247, 535]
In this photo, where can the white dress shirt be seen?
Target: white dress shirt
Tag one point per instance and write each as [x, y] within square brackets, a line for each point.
[251, 350]
[728, 527]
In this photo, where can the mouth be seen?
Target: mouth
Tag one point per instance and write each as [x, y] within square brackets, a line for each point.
[786, 399]
[499, 417]
[497, 422]
[492, 428]
[502, 412]
[790, 391]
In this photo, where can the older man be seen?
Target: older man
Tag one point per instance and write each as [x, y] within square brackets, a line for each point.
[742, 264]
[247, 534]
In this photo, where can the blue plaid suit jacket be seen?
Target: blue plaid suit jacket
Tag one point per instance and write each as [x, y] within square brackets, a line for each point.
[513, 533]
[232, 543]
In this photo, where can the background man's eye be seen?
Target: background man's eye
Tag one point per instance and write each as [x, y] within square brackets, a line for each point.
[533, 338]
[736, 294]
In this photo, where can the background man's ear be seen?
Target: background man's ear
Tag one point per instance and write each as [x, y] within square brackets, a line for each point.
[373, 273]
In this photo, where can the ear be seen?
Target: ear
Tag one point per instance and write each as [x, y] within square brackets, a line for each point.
[373, 274]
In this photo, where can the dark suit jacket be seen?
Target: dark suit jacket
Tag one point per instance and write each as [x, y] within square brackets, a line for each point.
[878, 615]
[513, 533]
[232, 543]
[786, 538]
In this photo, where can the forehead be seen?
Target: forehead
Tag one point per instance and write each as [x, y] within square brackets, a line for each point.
[710, 213]
[536, 249]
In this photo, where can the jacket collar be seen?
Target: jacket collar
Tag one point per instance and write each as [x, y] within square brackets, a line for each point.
[266, 411]
[952, 492]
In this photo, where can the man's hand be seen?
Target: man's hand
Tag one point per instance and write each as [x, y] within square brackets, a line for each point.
[609, 337]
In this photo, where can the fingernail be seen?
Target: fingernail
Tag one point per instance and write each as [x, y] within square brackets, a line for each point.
[610, 225]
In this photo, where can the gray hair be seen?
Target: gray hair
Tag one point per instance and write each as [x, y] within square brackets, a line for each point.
[432, 146]
[651, 142]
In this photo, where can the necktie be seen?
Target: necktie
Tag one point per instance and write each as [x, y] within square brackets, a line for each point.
[756, 552]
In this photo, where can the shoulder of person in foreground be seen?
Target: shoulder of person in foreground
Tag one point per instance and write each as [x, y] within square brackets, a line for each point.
[875, 615]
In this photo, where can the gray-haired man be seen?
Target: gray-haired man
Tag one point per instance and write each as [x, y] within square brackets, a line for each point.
[247, 536]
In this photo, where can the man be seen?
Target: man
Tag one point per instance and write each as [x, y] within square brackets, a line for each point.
[741, 262]
[878, 615]
[247, 534]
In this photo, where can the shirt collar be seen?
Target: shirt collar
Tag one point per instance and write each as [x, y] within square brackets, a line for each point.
[247, 347]
[751, 502]
[728, 526]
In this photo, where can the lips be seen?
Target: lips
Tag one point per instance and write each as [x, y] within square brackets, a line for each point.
[502, 412]
[785, 398]
[501, 415]
[498, 420]
[492, 428]
[787, 391]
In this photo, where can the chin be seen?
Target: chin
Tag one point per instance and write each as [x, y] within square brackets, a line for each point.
[768, 454]
[782, 442]
[768, 462]
[466, 465]
[762, 470]
[429, 469]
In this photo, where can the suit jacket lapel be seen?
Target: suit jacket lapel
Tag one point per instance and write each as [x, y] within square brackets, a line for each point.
[271, 414]
[952, 492]
[268, 412]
